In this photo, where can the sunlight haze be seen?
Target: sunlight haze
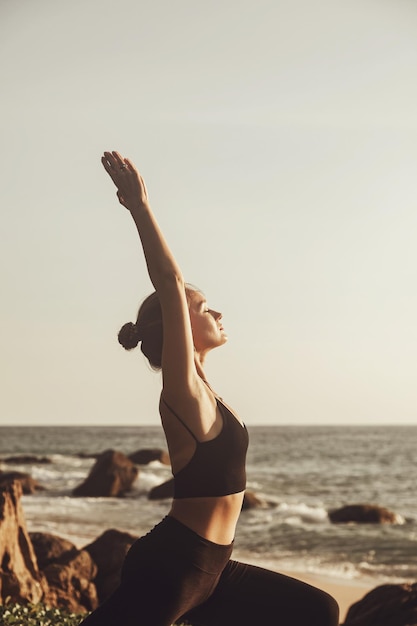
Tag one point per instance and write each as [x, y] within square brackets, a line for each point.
[278, 142]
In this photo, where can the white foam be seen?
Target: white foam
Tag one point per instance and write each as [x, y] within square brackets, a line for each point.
[149, 479]
[295, 513]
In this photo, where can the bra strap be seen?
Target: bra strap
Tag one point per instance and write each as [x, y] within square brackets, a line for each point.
[179, 419]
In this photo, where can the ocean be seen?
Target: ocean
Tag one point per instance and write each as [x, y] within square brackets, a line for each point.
[302, 472]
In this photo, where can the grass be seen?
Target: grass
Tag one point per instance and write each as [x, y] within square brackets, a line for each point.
[12, 614]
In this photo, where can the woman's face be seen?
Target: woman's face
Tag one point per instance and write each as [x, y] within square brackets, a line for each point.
[208, 332]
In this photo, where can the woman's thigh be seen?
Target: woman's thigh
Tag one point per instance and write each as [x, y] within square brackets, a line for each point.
[156, 598]
[248, 595]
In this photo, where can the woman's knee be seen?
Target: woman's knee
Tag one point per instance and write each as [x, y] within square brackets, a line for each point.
[325, 611]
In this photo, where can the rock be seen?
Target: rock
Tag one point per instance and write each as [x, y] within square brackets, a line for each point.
[251, 501]
[108, 552]
[364, 514]
[29, 484]
[20, 578]
[25, 459]
[65, 579]
[70, 579]
[160, 492]
[87, 455]
[112, 475]
[69, 572]
[386, 605]
[49, 548]
[147, 455]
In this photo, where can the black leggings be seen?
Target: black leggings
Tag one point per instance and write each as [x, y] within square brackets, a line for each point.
[172, 575]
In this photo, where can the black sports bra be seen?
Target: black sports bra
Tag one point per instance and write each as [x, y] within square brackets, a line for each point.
[217, 467]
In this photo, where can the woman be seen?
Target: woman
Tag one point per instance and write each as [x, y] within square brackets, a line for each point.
[181, 570]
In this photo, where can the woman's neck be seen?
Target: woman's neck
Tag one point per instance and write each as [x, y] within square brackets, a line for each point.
[199, 366]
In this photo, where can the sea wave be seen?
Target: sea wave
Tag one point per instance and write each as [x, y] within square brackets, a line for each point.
[301, 513]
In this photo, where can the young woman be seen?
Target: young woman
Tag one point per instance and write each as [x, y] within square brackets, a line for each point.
[181, 571]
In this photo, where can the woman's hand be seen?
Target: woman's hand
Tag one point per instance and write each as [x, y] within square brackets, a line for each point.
[131, 188]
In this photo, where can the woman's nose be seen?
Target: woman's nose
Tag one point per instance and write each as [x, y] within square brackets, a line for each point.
[217, 315]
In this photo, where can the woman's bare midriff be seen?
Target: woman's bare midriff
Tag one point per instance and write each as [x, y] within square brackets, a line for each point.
[214, 518]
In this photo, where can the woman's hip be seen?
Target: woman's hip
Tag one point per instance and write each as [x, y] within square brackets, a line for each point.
[172, 546]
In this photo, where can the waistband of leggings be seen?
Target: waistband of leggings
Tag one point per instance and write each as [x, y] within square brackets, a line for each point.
[183, 531]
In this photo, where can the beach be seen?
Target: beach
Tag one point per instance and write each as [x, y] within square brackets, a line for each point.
[298, 474]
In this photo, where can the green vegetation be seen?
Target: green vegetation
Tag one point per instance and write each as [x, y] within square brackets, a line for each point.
[36, 615]
[12, 614]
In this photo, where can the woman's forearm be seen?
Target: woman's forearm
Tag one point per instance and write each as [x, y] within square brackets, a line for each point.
[162, 266]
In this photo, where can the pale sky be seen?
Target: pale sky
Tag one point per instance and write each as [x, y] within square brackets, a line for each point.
[278, 140]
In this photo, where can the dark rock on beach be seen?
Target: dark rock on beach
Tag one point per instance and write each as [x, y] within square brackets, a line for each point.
[88, 455]
[49, 548]
[70, 580]
[25, 459]
[147, 455]
[29, 484]
[108, 552]
[386, 605]
[112, 475]
[68, 571]
[252, 501]
[364, 514]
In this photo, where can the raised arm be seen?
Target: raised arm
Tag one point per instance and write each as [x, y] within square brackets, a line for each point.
[178, 367]
[131, 191]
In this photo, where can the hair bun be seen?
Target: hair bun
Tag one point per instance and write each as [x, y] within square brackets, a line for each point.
[129, 336]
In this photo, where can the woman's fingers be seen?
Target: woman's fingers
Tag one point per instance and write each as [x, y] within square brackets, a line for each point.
[130, 184]
[114, 163]
[119, 161]
[109, 169]
[114, 166]
[110, 160]
[130, 165]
